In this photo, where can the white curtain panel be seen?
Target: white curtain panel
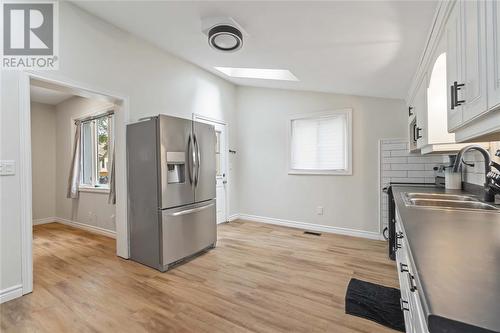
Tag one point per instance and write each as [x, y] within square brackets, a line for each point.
[74, 172]
[111, 145]
[112, 187]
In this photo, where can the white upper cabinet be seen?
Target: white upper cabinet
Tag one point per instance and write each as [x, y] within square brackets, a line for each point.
[420, 109]
[453, 66]
[473, 93]
[473, 66]
[466, 46]
[455, 93]
[493, 52]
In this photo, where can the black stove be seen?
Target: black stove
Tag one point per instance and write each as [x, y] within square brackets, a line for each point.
[391, 207]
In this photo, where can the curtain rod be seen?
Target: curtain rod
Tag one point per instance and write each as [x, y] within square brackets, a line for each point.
[84, 120]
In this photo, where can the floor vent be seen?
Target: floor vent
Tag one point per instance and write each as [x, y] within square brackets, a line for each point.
[312, 233]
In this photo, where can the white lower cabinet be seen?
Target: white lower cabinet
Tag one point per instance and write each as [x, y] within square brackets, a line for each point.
[410, 299]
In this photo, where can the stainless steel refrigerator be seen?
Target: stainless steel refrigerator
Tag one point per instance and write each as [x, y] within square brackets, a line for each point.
[171, 190]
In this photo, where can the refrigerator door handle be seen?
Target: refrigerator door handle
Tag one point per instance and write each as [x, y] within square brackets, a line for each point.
[190, 159]
[191, 210]
[198, 160]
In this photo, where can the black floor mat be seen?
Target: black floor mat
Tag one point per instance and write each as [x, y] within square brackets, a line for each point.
[375, 302]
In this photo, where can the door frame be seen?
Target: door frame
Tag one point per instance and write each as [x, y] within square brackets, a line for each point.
[121, 119]
[213, 121]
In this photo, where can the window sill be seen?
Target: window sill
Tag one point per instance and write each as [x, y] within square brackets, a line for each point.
[321, 172]
[94, 189]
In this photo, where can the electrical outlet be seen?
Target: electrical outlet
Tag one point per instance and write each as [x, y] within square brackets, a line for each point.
[319, 210]
[7, 168]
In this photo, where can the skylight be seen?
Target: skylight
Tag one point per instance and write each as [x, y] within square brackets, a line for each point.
[258, 73]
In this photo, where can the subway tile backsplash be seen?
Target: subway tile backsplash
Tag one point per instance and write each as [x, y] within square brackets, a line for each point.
[398, 165]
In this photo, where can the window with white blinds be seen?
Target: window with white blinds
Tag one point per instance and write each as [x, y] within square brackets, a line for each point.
[320, 143]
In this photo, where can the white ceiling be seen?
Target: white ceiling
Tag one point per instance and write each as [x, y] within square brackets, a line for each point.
[47, 96]
[366, 48]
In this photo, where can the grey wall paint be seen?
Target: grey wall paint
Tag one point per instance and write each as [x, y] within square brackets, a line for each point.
[43, 160]
[90, 208]
[266, 189]
[103, 57]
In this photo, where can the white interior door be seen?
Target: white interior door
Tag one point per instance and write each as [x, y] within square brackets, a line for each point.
[221, 172]
[221, 167]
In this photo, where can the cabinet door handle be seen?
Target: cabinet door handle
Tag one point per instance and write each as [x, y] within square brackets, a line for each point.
[418, 133]
[399, 235]
[403, 267]
[452, 97]
[403, 304]
[458, 87]
[411, 278]
[409, 111]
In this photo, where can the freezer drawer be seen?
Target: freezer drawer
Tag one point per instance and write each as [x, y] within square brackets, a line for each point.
[187, 230]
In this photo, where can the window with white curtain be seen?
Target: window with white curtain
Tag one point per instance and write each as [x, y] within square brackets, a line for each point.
[320, 143]
[96, 138]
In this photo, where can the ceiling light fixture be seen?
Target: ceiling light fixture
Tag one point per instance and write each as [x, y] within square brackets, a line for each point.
[258, 73]
[225, 38]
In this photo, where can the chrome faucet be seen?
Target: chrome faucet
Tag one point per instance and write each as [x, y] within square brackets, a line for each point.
[489, 194]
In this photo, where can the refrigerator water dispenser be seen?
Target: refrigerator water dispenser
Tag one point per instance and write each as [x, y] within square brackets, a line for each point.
[176, 163]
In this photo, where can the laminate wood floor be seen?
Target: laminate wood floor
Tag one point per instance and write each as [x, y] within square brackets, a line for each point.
[259, 278]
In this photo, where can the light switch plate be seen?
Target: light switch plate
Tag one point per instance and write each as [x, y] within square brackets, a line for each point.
[7, 168]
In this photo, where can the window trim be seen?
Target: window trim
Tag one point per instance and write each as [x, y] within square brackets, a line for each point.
[95, 112]
[339, 172]
[100, 189]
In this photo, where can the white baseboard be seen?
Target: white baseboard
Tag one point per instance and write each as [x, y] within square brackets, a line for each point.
[91, 228]
[10, 293]
[233, 217]
[45, 220]
[311, 226]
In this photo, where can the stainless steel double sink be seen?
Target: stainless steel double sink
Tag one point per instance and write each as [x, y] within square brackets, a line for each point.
[445, 201]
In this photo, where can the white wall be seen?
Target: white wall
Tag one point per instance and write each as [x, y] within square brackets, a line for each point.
[91, 208]
[101, 56]
[265, 188]
[43, 160]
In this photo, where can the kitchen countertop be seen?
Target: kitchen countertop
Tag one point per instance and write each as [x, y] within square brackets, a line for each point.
[456, 256]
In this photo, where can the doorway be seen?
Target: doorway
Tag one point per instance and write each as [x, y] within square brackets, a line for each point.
[221, 160]
[48, 81]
